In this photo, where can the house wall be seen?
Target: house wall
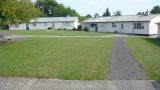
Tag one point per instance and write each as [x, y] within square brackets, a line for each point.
[127, 27]
[44, 26]
[158, 30]
[17, 27]
[107, 27]
[143, 31]
[39, 26]
[85, 25]
[153, 27]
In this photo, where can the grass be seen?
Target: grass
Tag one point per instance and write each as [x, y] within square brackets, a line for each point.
[54, 33]
[147, 53]
[57, 58]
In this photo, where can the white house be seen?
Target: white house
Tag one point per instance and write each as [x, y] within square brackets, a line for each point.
[133, 24]
[44, 23]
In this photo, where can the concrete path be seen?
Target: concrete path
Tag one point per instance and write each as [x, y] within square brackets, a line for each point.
[9, 37]
[106, 36]
[123, 65]
[50, 84]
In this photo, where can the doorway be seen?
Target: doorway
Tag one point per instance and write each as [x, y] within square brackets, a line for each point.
[96, 28]
[27, 26]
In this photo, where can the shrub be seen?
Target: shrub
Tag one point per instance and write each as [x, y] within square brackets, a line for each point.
[74, 29]
[115, 32]
[50, 28]
[64, 28]
[59, 29]
[79, 28]
[85, 29]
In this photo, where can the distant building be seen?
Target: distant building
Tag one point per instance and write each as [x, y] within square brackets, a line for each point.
[44, 23]
[132, 24]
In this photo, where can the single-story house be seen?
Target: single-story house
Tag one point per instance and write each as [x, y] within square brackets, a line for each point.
[44, 23]
[132, 24]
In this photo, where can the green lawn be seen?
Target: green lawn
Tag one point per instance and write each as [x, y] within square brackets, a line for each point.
[57, 58]
[54, 33]
[147, 53]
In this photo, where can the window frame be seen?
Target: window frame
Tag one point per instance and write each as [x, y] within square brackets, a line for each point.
[138, 25]
[113, 25]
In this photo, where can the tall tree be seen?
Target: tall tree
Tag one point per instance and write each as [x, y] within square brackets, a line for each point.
[117, 13]
[17, 11]
[107, 13]
[155, 10]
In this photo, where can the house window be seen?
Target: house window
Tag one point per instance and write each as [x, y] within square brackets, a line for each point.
[138, 25]
[67, 24]
[113, 25]
[122, 26]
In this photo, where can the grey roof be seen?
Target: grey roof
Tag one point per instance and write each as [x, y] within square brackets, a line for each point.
[124, 18]
[55, 19]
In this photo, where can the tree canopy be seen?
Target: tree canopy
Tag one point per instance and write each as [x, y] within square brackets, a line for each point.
[155, 10]
[53, 9]
[17, 11]
[107, 13]
[117, 13]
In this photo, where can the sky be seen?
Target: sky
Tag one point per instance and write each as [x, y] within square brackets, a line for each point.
[127, 7]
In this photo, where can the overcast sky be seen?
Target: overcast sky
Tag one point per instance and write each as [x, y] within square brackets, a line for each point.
[128, 7]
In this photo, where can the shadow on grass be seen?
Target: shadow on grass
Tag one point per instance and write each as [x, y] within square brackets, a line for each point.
[153, 41]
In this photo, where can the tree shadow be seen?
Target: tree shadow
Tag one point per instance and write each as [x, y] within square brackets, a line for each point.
[156, 85]
[153, 41]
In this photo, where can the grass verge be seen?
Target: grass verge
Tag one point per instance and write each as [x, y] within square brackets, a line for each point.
[147, 53]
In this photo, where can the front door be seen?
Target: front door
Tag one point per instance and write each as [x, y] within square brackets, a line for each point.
[53, 25]
[27, 26]
[122, 27]
[96, 28]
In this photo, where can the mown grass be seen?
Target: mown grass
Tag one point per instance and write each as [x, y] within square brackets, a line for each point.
[57, 58]
[147, 53]
[54, 33]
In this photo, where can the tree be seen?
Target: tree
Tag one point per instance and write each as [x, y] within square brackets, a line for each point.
[96, 15]
[88, 16]
[140, 13]
[117, 13]
[15, 12]
[155, 10]
[107, 13]
[53, 9]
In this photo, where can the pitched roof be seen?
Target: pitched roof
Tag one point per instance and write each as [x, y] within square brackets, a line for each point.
[124, 18]
[55, 19]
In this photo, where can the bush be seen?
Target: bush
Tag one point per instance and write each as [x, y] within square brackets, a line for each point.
[85, 29]
[79, 28]
[74, 29]
[59, 29]
[64, 28]
[50, 28]
[115, 32]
